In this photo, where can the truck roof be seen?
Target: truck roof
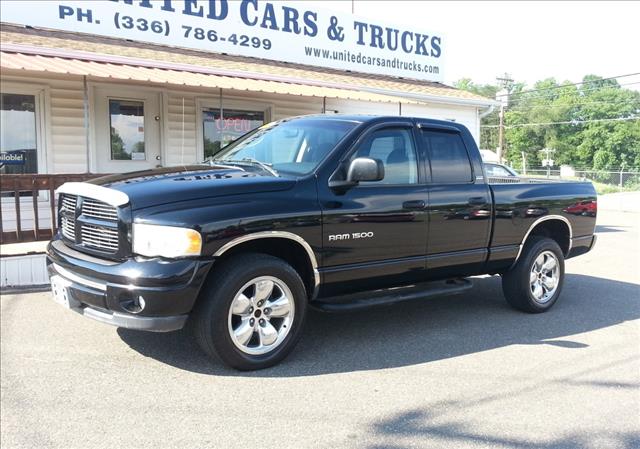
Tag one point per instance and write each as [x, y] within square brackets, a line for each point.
[366, 118]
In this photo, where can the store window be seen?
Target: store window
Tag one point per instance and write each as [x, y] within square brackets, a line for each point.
[18, 134]
[220, 129]
[127, 130]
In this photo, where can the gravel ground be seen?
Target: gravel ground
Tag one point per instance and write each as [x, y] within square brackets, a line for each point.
[457, 372]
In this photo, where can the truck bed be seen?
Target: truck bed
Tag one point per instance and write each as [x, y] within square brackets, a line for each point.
[519, 203]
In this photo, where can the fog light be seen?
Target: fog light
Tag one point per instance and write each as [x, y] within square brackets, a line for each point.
[135, 305]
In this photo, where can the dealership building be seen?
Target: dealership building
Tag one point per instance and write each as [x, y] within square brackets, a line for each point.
[85, 103]
[117, 86]
[111, 87]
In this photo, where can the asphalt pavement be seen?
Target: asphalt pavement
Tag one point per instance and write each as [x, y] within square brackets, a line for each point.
[454, 372]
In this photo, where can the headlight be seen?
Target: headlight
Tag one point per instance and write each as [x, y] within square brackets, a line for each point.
[165, 241]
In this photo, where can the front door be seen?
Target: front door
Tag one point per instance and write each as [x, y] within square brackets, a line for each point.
[375, 234]
[127, 126]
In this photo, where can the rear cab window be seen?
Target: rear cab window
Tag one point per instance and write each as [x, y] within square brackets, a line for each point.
[448, 156]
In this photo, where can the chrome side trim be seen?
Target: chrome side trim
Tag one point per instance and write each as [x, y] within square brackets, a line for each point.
[104, 194]
[536, 223]
[283, 235]
[78, 279]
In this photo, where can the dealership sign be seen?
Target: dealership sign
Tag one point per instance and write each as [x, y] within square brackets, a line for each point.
[282, 31]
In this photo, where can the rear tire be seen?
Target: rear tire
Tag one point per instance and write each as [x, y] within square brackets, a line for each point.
[251, 312]
[534, 283]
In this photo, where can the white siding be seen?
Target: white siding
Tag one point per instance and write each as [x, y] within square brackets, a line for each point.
[26, 214]
[180, 145]
[20, 271]
[465, 115]
[361, 107]
[68, 133]
[66, 138]
[289, 106]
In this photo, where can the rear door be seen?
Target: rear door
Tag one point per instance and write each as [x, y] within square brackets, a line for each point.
[460, 204]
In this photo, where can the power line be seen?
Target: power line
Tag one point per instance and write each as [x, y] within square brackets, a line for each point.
[570, 122]
[516, 108]
[550, 94]
[567, 85]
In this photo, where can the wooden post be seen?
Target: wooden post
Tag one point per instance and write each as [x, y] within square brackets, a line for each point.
[34, 199]
[16, 196]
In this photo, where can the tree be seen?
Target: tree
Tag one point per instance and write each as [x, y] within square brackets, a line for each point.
[117, 147]
[593, 125]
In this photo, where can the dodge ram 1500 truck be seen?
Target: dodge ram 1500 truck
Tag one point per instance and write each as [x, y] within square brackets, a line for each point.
[334, 212]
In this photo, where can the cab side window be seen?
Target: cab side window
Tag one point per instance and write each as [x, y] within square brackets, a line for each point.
[395, 148]
[448, 156]
[496, 170]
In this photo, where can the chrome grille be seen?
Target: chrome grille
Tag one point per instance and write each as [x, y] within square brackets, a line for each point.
[69, 202]
[99, 238]
[97, 209]
[96, 225]
[68, 228]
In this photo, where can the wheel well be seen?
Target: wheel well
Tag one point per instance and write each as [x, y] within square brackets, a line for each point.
[288, 250]
[556, 230]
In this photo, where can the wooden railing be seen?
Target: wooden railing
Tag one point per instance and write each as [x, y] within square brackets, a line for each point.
[36, 192]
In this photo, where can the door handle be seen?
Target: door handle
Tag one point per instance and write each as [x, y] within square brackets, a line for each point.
[418, 204]
[477, 201]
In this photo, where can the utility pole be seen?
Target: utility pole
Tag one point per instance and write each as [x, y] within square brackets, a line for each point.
[503, 97]
[501, 133]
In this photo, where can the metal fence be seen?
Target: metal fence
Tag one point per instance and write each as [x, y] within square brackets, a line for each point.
[622, 179]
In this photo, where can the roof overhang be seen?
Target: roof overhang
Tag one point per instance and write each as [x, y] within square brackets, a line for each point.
[95, 65]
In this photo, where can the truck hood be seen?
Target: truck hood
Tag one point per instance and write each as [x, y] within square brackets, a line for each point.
[171, 184]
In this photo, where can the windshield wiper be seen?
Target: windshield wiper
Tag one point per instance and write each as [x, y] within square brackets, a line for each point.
[247, 160]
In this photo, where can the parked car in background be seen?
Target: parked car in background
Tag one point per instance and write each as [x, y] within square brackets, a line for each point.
[497, 170]
[584, 208]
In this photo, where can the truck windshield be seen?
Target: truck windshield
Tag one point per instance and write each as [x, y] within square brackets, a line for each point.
[295, 146]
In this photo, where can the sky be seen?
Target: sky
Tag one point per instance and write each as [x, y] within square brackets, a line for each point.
[528, 40]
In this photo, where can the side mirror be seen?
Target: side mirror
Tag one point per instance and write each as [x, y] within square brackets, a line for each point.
[360, 169]
[365, 169]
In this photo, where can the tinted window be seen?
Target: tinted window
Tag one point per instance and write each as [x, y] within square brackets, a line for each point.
[448, 155]
[394, 147]
[496, 170]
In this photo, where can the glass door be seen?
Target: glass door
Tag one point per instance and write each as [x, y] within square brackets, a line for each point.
[127, 130]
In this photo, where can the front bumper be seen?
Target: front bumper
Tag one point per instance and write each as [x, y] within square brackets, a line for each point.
[106, 290]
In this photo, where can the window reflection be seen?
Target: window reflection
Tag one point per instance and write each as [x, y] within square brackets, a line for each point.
[18, 133]
[221, 130]
[127, 130]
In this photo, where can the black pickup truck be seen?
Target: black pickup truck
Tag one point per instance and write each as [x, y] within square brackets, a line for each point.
[333, 212]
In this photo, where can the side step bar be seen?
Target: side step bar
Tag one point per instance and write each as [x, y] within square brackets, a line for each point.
[374, 298]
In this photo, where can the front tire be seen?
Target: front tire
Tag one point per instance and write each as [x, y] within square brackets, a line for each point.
[251, 312]
[534, 283]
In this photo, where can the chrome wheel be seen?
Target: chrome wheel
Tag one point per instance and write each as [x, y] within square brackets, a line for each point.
[544, 277]
[261, 315]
